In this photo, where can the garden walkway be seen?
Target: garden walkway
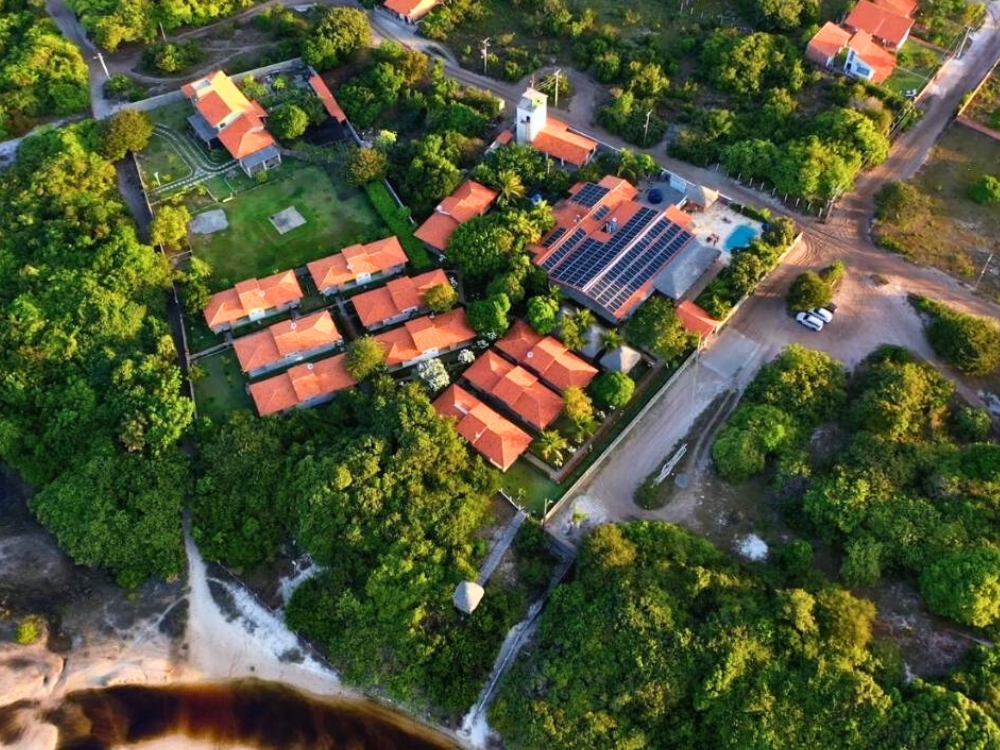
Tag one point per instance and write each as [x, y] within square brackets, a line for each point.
[201, 167]
[500, 548]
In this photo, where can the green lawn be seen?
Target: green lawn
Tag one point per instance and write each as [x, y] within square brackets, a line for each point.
[222, 388]
[915, 65]
[335, 215]
[530, 487]
[159, 158]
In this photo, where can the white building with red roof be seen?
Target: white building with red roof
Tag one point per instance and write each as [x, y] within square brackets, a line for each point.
[224, 116]
[552, 137]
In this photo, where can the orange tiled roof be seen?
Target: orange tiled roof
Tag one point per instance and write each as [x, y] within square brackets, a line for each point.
[559, 142]
[326, 96]
[471, 199]
[881, 23]
[498, 439]
[881, 60]
[355, 260]
[504, 138]
[521, 391]
[252, 295]
[901, 7]
[411, 8]
[827, 43]
[286, 338]
[301, 383]
[245, 136]
[695, 319]
[418, 336]
[396, 297]
[546, 356]
[217, 97]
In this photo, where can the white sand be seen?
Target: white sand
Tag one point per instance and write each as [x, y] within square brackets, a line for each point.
[752, 547]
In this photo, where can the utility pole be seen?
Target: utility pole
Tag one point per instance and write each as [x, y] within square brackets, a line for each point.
[100, 59]
[645, 133]
[486, 47]
[556, 76]
[162, 32]
[983, 272]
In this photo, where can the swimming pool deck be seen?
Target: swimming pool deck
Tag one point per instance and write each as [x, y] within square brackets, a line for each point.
[714, 225]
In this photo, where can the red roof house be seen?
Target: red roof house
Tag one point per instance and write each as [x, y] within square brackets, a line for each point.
[696, 320]
[287, 342]
[302, 386]
[410, 11]
[330, 103]
[496, 438]
[827, 43]
[252, 300]
[357, 265]
[889, 28]
[546, 356]
[397, 300]
[519, 390]
[470, 200]
[422, 338]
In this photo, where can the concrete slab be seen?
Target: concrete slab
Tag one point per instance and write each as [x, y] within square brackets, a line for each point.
[287, 220]
[729, 354]
[209, 222]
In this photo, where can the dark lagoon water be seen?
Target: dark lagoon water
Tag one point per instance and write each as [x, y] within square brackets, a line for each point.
[253, 713]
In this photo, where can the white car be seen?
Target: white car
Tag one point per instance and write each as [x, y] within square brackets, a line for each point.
[809, 321]
[822, 313]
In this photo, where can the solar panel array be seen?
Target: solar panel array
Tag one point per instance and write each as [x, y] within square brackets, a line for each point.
[554, 236]
[590, 195]
[592, 259]
[571, 242]
[637, 266]
[602, 212]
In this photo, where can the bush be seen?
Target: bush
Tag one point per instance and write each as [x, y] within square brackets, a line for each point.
[613, 389]
[288, 122]
[365, 165]
[808, 291]
[969, 343]
[964, 585]
[648, 494]
[125, 131]
[896, 201]
[398, 221]
[752, 435]
[30, 630]
[971, 425]
[985, 190]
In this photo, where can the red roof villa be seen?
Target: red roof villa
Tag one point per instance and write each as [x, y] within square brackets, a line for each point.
[252, 300]
[357, 265]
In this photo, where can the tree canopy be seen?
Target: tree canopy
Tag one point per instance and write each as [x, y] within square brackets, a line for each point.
[126, 131]
[339, 34]
[656, 328]
[970, 343]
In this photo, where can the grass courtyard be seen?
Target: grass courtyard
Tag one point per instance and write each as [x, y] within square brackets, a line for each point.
[220, 387]
[916, 64]
[529, 487]
[335, 216]
[946, 229]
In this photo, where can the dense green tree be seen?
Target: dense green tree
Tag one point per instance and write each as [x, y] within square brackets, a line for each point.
[613, 389]
[751, 436]
[365, 165]
[901, 399]
[126, 131]
[365, 356]
[896, 202]
[440, 298]
[964, 585]
[488, 317]
[656, 328]
[510, 187]
[288, 122]
[542, 314]
[972, 425]
[168, 228]
[577, 406]
[808, 384]
[807, 291]
[751, 64]
[782, 15]
[970, 343]
[338, 35]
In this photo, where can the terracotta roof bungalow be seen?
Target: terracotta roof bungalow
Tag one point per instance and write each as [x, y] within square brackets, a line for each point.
[398, 300]
[827, 43]
[330, 103]
[357, 265]
[548, 135]
[607, 249]
[516, 388]
[470, 200]
[546, 356]
[251, 300]
[422, 338]
[223, 115]
[900, 7]
[493, 436]
[302, 386]
[410, 11]
[286, 342]
[888, 28]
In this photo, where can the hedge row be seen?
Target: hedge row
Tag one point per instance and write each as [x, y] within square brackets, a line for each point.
[398, 221]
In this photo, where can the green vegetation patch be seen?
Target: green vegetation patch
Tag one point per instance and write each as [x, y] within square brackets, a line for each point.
[529, 487]
[220, 386]
[336, 216]
[985, 107]
[932, 219]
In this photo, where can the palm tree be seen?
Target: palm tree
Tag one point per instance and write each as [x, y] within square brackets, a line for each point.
[510, 187]
[611, 339]
[550, 446]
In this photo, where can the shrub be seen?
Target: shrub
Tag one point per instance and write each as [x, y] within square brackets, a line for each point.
[365, 356]
[808, 291]
[648, 494]
[971, 344]
[128, 130]
[985, 190]
[750, 437]
[398, 221]
[288, 122]
[613, 389]
[971, 425]
[30, 630]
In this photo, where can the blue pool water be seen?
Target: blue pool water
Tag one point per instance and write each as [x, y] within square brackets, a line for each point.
[741, 237]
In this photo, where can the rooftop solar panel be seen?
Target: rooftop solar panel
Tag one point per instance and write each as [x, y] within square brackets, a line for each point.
[571, 242]
[590, 195]
[602, 212]
[554, 236]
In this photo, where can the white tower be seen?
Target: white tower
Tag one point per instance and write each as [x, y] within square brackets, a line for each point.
[531, 115]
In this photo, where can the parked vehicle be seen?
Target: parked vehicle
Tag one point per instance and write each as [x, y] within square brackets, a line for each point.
[809, 321]
[822, 313]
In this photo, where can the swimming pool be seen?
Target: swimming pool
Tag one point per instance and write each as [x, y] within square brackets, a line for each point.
[741, 237]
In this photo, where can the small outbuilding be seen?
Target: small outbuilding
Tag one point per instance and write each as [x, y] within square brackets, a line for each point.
[623, 359]
[467, 596]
